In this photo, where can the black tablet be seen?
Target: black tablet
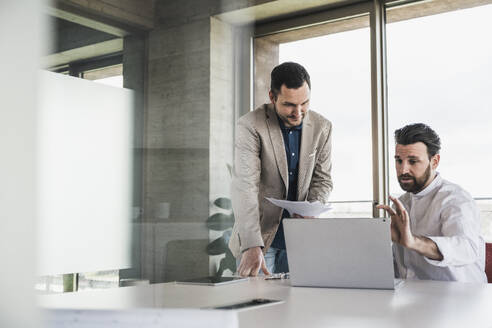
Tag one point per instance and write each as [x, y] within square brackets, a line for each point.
[212, 281]
[247, 304]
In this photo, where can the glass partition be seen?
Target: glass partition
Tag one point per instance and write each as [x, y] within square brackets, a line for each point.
[187, 78]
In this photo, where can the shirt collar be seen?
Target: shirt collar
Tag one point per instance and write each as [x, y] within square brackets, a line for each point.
[283, 127]
[433, 185]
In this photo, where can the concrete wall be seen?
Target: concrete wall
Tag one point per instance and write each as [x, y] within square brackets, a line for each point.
[134, 77]
[139, 14]
[178, 121]
[177, 154]
[70, 35]
[266, 58]
[222, 116]
[191, 110]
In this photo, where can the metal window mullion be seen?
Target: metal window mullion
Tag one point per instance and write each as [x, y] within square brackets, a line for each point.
[379, 107]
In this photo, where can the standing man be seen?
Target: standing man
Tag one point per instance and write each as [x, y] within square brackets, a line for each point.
[436, 224]
[283, 151]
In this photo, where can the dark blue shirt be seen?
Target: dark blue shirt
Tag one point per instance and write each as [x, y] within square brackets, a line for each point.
[292, 143]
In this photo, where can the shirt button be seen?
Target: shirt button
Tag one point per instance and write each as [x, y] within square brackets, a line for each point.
[290, 173]
[293, 154]
[290, 132]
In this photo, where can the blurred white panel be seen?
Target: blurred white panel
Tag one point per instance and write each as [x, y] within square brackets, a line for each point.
[143, 318]
[21, 37]
[84, 151]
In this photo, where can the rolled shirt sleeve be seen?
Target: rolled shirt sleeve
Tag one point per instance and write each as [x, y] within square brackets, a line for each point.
[445, 213]
[460, 243]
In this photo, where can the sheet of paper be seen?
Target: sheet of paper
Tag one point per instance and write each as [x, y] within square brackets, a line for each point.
[302, 208]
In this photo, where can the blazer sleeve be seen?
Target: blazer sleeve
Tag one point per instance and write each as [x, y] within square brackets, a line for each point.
[245, 185]
[321, 182]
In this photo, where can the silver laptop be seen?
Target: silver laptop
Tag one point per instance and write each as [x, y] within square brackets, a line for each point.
[341, 252]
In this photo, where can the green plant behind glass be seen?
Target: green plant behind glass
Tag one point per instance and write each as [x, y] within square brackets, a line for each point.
[222, 222]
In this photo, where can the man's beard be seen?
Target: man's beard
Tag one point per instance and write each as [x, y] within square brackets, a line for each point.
[417, 184]
[285, 119]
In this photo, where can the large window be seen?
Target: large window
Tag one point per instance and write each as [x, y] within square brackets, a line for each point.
[440, 73]
[339, 66]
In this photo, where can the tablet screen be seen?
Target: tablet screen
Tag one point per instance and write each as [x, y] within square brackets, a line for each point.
[211, 281]
[246, 304]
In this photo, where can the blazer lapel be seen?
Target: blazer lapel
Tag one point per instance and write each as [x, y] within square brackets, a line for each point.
[278, 144]
[307, 148]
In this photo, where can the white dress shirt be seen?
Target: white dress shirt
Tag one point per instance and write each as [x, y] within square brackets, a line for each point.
[448, 215]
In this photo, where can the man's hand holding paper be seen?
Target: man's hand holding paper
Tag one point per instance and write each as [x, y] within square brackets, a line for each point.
[302, 209]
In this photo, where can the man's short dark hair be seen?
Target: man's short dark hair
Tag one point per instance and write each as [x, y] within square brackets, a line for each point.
[291, 74]
[419, 132]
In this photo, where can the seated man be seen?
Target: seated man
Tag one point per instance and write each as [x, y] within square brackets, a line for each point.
[435, 225]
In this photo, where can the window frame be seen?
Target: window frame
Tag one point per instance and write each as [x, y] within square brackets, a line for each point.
[78, 68]
[379, 103]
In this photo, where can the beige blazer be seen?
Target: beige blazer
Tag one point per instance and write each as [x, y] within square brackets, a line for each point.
[260, 170]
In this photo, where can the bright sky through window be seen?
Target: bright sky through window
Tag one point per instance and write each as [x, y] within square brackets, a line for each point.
[439, 73]
[115, 81]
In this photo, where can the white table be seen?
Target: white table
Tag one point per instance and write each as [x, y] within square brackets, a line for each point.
[415, 304]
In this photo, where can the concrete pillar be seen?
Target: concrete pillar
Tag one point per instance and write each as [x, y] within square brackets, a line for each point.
[222, 115]
[266, 58]
[177, 144]
[134, 77]
[189, 127]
